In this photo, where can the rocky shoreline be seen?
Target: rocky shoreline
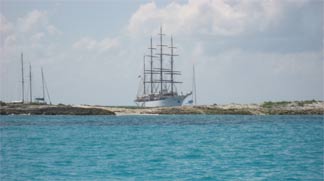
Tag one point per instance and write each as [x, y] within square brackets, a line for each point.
[43, 109]
[276, 108]
[266, 108]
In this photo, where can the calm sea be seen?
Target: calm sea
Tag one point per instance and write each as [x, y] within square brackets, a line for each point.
[181, 147]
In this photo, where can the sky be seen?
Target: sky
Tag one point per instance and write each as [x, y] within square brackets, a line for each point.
[91, 51]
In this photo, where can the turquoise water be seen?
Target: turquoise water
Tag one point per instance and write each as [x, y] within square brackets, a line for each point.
[161, 147]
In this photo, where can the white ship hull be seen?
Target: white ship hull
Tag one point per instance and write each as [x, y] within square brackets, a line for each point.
[166, 102]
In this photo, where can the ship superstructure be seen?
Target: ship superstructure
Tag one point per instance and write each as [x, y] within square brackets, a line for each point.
[158, 85]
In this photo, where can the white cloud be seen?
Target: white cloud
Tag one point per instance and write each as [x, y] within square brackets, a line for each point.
[217, 17]
[5, 26]
[52, 30]
[29, 31]
[36, 39]
[85, 43]
[92, 44]
[32, 20]
[107, 44]
[38, 36]
[10, 40]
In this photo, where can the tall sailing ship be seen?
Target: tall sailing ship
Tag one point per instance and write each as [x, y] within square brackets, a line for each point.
[158, 85]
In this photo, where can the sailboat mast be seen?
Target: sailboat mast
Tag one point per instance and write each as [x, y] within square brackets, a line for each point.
[45, 87]
[43, 84]
[161, 61]
[144, 78]
[48, 96]
[22, 79]
[151, 67]
[171, 65]
[30, 85]
[194, 94]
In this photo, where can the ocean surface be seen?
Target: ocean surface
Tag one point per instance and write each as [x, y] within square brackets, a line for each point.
[182, 147]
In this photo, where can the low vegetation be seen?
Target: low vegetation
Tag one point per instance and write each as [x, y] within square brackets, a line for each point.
[270, 104]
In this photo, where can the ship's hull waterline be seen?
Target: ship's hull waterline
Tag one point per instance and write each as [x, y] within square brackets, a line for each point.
[167, 102]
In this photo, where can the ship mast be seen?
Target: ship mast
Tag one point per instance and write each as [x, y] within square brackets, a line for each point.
[144, 76]
[194, 94]
[161, 61]
[22, 79]
[172, 66]
[30, 85]
[43, 83]
[151, 66]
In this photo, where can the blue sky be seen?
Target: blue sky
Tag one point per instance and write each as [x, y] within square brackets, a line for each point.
[91, 51]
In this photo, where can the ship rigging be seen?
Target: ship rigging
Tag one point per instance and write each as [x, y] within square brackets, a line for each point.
[158, 81]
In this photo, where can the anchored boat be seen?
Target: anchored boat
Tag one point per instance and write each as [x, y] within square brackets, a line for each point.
[158, 86]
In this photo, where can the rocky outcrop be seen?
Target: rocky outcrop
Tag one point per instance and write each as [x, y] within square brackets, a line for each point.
[34, 109]
[267, 108]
